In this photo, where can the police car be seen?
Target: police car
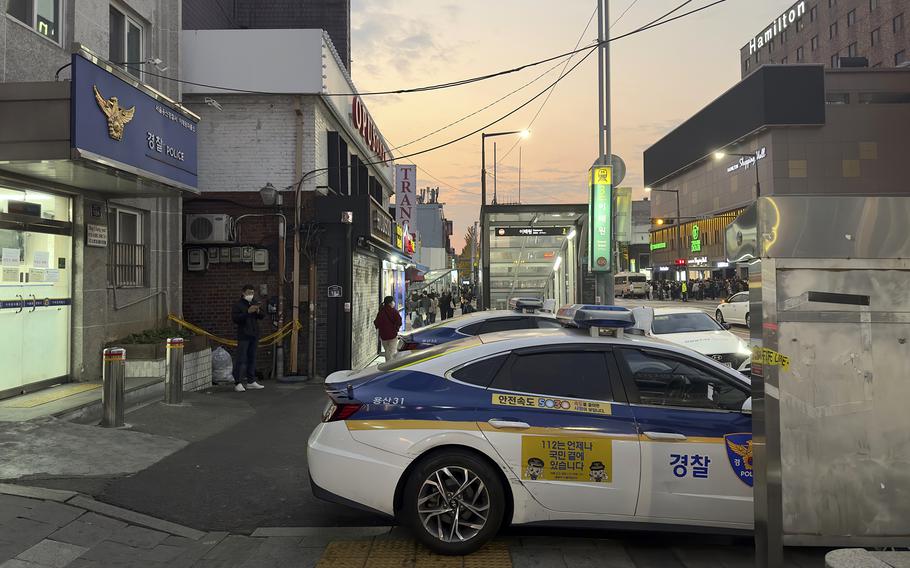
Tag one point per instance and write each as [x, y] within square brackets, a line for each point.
[544, 427]
[524, 314]
[693, 328]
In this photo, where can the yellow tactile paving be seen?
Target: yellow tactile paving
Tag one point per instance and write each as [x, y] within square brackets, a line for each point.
[380, 553]
[50, 395]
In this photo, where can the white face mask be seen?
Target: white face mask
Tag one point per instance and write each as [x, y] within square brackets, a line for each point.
[248, 297]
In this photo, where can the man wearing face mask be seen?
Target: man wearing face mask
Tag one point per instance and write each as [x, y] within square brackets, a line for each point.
[246, 314]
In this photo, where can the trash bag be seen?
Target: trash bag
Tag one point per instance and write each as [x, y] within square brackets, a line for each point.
[222, 366]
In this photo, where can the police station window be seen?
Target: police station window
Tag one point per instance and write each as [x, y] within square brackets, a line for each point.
[876, 36]
[665, 380]
[126, 37]
[575, 374]
[800, 53]
[814, 43]
[851, 18]
[482, 372]
[852, 50]
[897, 24]
[43, 16]
[832, 30]
[127, 262]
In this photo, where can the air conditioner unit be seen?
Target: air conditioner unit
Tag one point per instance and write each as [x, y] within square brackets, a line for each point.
[209, 228]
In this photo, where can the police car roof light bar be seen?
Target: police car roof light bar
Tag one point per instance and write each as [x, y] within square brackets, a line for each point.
[590, 316]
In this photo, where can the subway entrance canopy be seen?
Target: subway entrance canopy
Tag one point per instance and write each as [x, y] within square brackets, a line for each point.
[531, 251]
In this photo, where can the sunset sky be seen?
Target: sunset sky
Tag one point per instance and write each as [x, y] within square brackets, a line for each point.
[660, 77]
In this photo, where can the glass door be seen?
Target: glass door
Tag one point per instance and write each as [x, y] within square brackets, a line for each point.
[35, 287]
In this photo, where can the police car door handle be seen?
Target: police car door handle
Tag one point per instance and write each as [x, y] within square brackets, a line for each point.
[508, 424]
[666, 436]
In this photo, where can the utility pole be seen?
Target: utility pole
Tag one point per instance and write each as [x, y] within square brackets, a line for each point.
[474, 257]
[494, 172]
[603, 281]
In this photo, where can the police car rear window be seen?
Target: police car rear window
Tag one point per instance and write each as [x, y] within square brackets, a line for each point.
[482, 372]
[420, 355]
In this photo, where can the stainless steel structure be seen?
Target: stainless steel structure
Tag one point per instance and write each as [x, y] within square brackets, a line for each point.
[830, 291]
[173, 380]
[112, 393]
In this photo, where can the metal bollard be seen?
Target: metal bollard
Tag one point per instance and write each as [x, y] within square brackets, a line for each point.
[173, 380]
[112, 392]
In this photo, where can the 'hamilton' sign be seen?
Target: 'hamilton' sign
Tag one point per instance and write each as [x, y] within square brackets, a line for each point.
[777, 27]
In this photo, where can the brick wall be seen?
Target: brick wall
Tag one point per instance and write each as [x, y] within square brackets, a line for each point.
[364, 305]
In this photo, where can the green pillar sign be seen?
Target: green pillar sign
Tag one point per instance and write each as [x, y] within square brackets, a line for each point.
[696, 239]
[600, 219]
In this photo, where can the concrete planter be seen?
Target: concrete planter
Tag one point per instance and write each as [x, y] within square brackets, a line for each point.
[149, 360]
[155, 351]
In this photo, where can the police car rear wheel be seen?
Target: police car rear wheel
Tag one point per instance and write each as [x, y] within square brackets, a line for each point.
[453, 502]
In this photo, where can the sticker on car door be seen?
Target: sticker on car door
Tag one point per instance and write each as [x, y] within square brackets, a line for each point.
[567, 458]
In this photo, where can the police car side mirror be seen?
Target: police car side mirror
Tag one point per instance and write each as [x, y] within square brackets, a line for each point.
[747, 406]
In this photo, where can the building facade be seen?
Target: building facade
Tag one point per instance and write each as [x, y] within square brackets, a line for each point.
[827, 32]
[783, 130]
[318, 138]
[94, 159]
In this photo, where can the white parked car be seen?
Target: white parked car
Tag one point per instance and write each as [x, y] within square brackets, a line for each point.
[693, 328]
[544, 427]
[734, 309]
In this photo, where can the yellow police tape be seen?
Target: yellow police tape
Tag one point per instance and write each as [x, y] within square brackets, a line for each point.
[270, 339]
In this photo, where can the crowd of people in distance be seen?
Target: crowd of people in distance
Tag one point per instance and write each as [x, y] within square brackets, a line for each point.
[699, 289]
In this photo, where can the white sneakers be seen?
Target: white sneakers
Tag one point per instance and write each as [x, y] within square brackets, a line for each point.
[250, 386]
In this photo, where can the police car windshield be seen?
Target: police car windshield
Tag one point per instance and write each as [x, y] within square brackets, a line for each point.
[683, 323]
[419, 355]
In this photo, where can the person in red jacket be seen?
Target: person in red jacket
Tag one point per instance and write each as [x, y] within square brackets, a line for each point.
[388, 322]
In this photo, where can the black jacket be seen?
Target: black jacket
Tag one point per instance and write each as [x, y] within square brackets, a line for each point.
[247, 323]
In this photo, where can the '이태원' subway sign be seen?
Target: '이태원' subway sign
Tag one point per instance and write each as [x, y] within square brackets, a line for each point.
[777, 27]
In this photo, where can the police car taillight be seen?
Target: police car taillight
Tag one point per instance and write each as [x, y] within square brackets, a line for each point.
[340, 411]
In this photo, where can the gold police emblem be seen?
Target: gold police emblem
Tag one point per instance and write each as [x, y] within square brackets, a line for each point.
[117, 117]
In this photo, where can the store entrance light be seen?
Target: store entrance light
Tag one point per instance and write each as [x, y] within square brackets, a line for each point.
[719, 155]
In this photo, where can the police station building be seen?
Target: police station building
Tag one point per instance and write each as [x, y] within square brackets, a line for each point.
[93, 164]
[783, 130]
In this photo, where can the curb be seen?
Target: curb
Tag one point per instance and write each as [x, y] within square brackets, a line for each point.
[135, 518]
[57, 495]
[325, 532]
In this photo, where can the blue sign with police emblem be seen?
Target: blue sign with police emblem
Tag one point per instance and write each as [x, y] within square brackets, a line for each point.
[119, 123]
[739, 452]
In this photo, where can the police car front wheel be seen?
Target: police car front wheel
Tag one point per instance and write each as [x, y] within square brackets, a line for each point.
[453, 502]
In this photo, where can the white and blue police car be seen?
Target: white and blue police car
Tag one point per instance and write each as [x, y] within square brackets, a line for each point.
[545, 427]
[524, 313]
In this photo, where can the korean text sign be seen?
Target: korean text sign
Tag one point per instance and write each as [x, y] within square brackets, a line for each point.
[114, 120]
[567, 458]
[600, 219]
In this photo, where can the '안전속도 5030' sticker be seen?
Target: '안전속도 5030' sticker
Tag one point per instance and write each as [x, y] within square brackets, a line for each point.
[551, 403]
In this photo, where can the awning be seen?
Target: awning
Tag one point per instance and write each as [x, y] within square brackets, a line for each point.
[413, 275]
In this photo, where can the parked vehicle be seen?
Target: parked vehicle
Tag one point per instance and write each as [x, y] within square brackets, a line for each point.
[630, 285]
[734, 309]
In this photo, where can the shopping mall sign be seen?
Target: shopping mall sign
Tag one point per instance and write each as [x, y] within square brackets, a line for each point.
[777, 27]
[600, 178]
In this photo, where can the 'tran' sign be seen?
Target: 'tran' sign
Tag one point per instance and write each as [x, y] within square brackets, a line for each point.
[405, 196]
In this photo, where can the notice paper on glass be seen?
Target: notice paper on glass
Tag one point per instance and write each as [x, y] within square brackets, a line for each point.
[52, 275]
[10, 274]
[36, 275]
[10, 257]
[42, 259]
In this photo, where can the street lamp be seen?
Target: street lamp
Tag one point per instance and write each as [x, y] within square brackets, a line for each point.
[660, 221]
[720, 155]
[484, 237]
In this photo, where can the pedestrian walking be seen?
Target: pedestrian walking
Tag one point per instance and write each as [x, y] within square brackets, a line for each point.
[423, 308]
[388, 322]
[246, 314]
[433, 307]
[446, 309]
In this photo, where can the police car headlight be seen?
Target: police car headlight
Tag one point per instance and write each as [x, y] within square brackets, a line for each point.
[744, 349]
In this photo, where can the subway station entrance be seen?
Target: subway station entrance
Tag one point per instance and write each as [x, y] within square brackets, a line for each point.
[532, 251]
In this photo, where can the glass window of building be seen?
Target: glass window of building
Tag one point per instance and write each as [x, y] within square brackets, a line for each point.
[832, 30]
[800, 53]
[127, 250]
[783, 61]
[814, 43]
[800, 25]
[771, 47]
[43, 16]
[126, 37]
[852, 50]
[832, 3]
[897, 24]
[834, 60]
[876, 36]
[851, 18]
[900, 57]
[813, 13]
[873, 4]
